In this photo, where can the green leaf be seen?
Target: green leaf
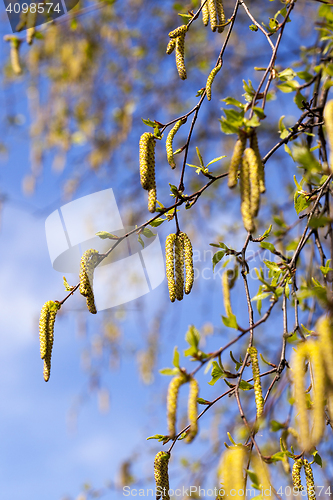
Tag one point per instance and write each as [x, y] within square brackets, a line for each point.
[259, 112]
[254, 478]
[268, 246]
[272, 266]
[105, 235]
[276, 426]
[227, 128]
[230, 321]
[217, 373]
[267, 232]
[317, 458]
[148, 122]
[233, 102]
[148, 233]
[261, 296]
[201, 401]
[67, 286]
[169, 371]
[192, 336]
[299, 99]
[278, 456]
[157, 222]
[215, 160]
[175, 360]
[287, 75]
[253, 27]
[191, 351]
[288, 150]
[245, 386]
[160, 437]
[287, 87]
[304, 75]
[300, 202]
[217, 257]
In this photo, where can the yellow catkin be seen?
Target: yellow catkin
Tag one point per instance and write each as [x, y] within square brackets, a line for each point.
[88, 262]
[310, 486]
[212, 14]
[220, 15]
[328, 117]
[161, 473]
[189, 269]
[172, 400]
[256, 381]
[205, 12]
[147, 160]
[170, 264]
[296, 475]
[169, 143]
[210, 80]
[181, 30]
[152, 199]
[226, 293]
[31, 23]
[231, 473]
[255, 146]
[251, 158]
[180, 56]
[179, 267]
[319, 395]
[246, 196]
[300, 401]
[46, 334]
[236, 160]
[15, 56]
[193, 410]
[324, 328]
[171, 46]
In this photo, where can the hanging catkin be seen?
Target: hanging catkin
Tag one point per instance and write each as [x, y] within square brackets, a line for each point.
[231, 473]
[205, 13]
[172, 400]
[189, 270]
[256, 381]
[310, 486]
[46, 334]
[212, 14]
[193, 410]
[161, 473]
[171, 46]
[170, 265]
[179, 267]
[328, 117]
[220, 15]
[88, 263]
[169, 143]
[236, 160]
[147, 160]
[245, 189]
[309, 350]
[210, 80]
[15, 44]
[296, 475]
[180, 56]
[325, 331]
[251, 158]
[226, 293]
[261, 169]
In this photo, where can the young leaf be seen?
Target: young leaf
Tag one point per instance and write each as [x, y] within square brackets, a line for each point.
[230, 321]
[175, 360]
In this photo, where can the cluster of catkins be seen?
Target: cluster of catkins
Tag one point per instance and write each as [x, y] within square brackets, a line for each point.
[87, 265]
[147, 168]
[172, 400]
[213, 11]
[296, 476]
[320, 354]
[46, 334]
[178, 249]
[252, 177]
